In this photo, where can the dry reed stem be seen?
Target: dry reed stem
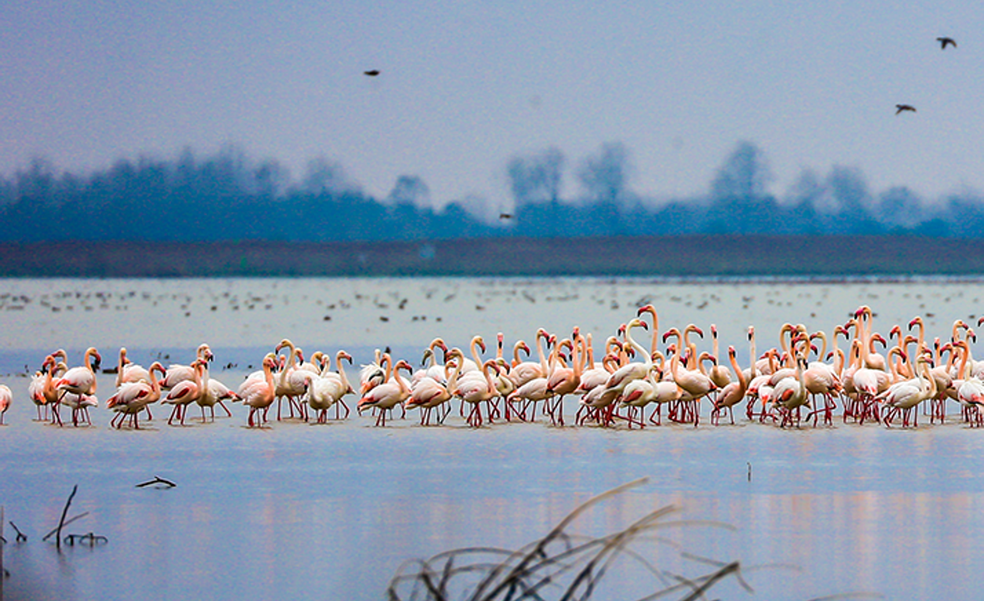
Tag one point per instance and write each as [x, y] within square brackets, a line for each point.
[560, 565]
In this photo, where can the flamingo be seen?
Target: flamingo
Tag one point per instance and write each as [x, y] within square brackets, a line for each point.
[186, 392]
[127, 371]
[372, 374]
[291, 382]
[5, 398]
[432, 368]
[328, 388]
[40, 388]
[214, 393]
[177, 372]
[719, 374]
[732, 393]
[133, 397]
[790, 394]
[633, 371]
[77, 386]
[907, 394]
[525, 371]
[429, 393]
[259, 393]
[389, 394]
[475, 391]
[565, 380]
[694, 382]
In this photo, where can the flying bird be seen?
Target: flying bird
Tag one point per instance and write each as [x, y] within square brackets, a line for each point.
[904, 107]
[372, 73]
[944, 41]
[505, 216]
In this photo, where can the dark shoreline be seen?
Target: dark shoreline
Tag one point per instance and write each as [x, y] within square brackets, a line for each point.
[660, 256]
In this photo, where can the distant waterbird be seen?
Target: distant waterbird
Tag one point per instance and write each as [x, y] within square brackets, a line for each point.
[944, 41]
[904, 107]
[505, 216]
[371, 72]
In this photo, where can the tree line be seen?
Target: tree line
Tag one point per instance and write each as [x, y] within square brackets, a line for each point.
[227, 196]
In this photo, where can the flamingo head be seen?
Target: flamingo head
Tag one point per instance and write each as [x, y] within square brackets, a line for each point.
[895, 331]
[714, 331]
[915, 321]
[427, 355]
[346, 356]
[498, 339]
[526, 348]
[696, 330]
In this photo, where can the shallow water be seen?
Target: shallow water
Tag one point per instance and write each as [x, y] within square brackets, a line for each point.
[332, 511]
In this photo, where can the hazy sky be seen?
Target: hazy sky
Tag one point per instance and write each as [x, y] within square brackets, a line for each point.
[468, 84]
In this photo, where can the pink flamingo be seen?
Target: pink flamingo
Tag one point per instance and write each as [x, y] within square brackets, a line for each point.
[80, 382]
[390, 393]
[258, 393]
[732, 393]
[186, 393]
[5, 398]
[133, 397]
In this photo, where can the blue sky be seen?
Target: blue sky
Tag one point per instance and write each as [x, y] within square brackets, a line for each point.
[468, 84]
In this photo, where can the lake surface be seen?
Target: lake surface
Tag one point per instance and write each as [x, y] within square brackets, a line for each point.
[332, 511]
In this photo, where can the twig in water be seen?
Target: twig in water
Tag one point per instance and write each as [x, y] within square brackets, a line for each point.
[157, 480]
[67, 522]
[61, 522]
[92, 538]
[21, 537]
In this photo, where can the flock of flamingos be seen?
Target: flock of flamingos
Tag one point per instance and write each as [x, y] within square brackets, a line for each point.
[788, 385]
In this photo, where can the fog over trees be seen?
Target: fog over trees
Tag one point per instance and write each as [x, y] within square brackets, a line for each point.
[230, 196]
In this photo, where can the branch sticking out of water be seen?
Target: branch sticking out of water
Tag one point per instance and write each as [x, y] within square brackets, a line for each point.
[561, 565]
[61, 522]
[67, 522]
[157, 480]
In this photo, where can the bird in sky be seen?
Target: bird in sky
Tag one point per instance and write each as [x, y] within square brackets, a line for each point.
[944, 41]
[505, 216]
[904, 107]
[372, 73]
